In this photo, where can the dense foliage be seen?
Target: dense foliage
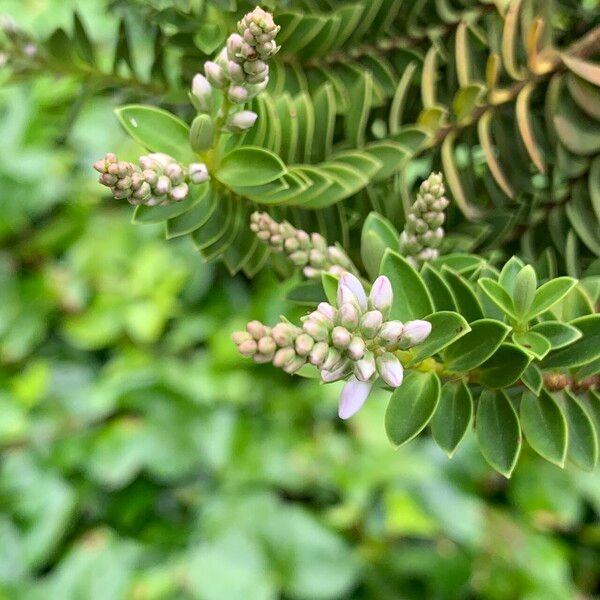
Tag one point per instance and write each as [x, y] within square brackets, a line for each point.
[143, 457]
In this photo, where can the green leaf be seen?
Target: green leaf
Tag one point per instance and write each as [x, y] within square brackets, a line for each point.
[249, 166]
[446, 327]
[411, 298]
[583, 439]
[581, 352]
[452, 416]
[498, 431]
[532, 378]
[524, 290]
[440, 291]
[378, 234]
[558, 334]
[330, 286]
[157, 130]
[360, 99]
[549, 294]
[468, 303]
[498, 295]
[411, 406]
[533, 343]
[544, 426]
[307, 293]
[509, 273]
[477, 346]
[503, 367]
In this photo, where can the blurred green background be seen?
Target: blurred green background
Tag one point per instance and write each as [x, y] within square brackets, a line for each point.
[143, 458]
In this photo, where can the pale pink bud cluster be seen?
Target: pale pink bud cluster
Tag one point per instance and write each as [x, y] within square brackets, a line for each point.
[423, 232]
[241, 67]
[308, 251]
[158, 179]
[353, 340]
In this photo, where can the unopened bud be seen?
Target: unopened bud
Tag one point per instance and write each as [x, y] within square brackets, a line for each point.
[382, 295]
[198, 173]
[316, 330]
[364, 368]
[202, 91]
[332, 359]
[391, 332]
[353, 283]
[240, 336]
[318, 354]
[390, 369]
[304, 344]
[327, 311]
[237, 94]
[341, 337]
[282, 334]
[283, 356]
[266, 345]
[214, 74]
[348, 316]
[241, 121]
[202, 133]
[356, 348]
[415, 332]
[256, 329]
[297, 363]
[370, 323]
[248, 348]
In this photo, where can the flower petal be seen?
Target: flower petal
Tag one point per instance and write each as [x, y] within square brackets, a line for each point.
[356, 286]
[353, 396]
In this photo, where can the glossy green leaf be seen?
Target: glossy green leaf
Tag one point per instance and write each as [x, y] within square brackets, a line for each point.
[498, 295]
[532, 378]
[498, 431]
[558, 334]
[503, 367]
[330, 285]
[468, 303]
[524, 290]
[533, 343]
[411, 406]
[377, 235]
[446, 328]
[453, 416]
[583, 439]
[157, 130]
[584, 350]
[549, 294]
[441, 294]
[544, 426]
[411, 298]
[477, 346]
[249, 166]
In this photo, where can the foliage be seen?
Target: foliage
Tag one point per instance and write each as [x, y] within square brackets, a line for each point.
[142, 457]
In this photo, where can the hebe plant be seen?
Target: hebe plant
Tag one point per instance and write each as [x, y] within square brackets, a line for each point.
[311, 130]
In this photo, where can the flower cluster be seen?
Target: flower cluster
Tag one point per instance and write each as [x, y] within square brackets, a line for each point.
[241, 67]
[158, 179]
[423, 231]
[308, 251]
[353, 340]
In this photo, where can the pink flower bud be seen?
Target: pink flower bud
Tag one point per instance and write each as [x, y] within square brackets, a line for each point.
[266, 345]
[370, 323]
[283, 356]
[318, 354]
[282, 335]
[256, 329]
[348, 316]
[391, 332]
[364, 368]
[354, 284]
[241, 121]
[341, 337]
[390, 369]
[214, 74]
[316, 330]
[332, 359]
[240, 336]
[353, 396]
[304, 344]
[202, 91]
[381, 296]
[356, 349]
[327, 310]
[415, 332]
[248, 348]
